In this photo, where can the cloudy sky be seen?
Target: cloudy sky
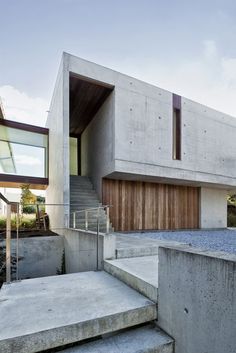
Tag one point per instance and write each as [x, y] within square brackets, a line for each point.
[187, 47]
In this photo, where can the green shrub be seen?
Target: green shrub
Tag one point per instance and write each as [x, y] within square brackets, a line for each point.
[29, 209]
[231, 220]
[25, 222]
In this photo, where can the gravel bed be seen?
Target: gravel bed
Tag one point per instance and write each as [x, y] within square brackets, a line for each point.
[216, 240]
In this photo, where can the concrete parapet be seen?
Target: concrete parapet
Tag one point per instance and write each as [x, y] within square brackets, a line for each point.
[197, 299]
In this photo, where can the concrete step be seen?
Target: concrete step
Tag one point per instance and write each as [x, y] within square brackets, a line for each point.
[136, 251]
[146, 339]
[83, 198]
[140, 273]
[83, 193]
[44, 313]
[81, 186]
[77, 201]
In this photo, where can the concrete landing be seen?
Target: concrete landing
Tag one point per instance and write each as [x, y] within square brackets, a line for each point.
[39, 314]
[140, 273]
[133, 246]
[145, 339]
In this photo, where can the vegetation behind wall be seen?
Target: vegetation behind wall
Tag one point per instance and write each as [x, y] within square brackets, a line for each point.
[232, 211]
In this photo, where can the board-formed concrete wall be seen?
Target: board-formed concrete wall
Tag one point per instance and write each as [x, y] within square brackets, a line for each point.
[39, 256]
[197, 299]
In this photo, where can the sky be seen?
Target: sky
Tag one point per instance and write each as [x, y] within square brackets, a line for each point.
[187, 47]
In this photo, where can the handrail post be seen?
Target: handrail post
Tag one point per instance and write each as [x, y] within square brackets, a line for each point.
[98, 226]
[8, 245]
[74, 226]
[107, 220]
[17, 242]
[86, 220]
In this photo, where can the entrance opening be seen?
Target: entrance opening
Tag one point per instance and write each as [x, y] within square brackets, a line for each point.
[86, 98]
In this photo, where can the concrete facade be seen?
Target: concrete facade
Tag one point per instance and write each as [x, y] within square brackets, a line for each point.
[197, 302]
[130, 138]
[213, 208]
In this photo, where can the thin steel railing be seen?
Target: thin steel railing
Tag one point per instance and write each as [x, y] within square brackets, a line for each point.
[86, 214]
[8, 238]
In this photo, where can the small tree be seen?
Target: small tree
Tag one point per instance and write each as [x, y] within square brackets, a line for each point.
[27, 198]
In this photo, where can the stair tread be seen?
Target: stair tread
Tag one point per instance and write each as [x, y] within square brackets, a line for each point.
[138, 340]
[48, 312]
[140, 273]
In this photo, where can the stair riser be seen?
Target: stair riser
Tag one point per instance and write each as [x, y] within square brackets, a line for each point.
[136, 252]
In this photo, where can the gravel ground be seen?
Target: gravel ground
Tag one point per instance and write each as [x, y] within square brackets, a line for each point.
[217, 240]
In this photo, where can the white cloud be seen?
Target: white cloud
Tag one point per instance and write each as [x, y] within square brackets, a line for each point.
[27, 160]
[21, 107]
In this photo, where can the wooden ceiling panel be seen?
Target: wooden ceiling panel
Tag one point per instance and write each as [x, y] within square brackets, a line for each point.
[86, 97]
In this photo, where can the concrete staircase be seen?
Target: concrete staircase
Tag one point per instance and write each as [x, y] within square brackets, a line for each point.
[93, 311]
[83, 196]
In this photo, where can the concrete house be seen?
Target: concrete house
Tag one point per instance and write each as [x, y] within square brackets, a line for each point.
[160, 160]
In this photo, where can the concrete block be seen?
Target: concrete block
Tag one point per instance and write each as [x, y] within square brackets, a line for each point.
[43, 313]
[197, 299]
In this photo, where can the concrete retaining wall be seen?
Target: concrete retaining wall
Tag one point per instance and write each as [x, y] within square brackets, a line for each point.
[81, 250]
[197, 299]
[39, 256]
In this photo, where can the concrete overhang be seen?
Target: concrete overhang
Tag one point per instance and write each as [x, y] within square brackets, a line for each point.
[172, 181]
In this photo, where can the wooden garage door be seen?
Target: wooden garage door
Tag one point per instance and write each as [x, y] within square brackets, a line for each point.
[140, 205]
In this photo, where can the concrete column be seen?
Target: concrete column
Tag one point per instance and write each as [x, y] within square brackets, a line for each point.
[213, 208]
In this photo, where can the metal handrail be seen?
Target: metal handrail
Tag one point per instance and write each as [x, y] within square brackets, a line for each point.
[92, 208]
[8, 237]
[87, 210]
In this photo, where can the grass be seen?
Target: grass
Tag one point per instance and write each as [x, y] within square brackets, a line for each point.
[26, 221]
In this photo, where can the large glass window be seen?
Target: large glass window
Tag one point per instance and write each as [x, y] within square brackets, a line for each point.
[23, 152]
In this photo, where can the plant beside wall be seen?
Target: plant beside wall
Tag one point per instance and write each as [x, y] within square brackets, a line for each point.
[27, 199]
[232, 211]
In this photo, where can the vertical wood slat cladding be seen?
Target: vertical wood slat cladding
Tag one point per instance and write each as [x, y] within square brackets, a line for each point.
[140, 205]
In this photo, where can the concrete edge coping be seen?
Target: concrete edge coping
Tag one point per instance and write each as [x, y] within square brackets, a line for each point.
[198, 251]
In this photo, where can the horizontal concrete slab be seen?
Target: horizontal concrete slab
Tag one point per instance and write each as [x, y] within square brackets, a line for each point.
[140, 273]
[134, 246]
[39, 314]
[145, 339]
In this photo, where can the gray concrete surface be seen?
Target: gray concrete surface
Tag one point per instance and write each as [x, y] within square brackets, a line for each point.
[213, 208]
[147, 339]
[81, 250]
[97, 141]
[139, 244]
[140, 273]
[38, 314]
[39, 256]
[215, 240]
[57, 192]
[197, 299]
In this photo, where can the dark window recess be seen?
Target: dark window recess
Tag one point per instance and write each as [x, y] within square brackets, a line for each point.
[176, 133]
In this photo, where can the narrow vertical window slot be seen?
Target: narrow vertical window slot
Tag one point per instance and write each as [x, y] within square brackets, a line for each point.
[176, 127]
